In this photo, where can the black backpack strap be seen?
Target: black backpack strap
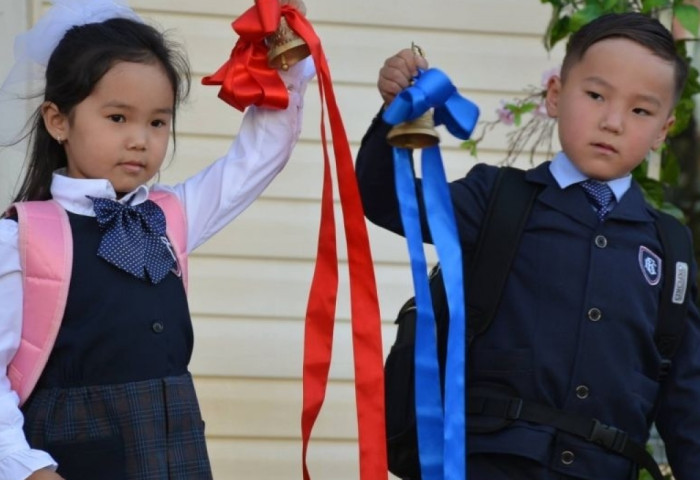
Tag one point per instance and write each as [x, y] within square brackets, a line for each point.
[678, 254]
[587, 428]
[507, 211]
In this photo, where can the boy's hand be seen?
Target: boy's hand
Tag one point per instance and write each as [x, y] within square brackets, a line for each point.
[397, 73]
[298, 4]
[45, 474]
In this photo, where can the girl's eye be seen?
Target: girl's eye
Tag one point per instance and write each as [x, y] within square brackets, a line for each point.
[116, 118]
[158, 123]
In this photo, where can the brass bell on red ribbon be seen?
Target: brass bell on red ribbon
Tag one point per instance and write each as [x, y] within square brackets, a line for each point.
[285, 47]
[418, 133]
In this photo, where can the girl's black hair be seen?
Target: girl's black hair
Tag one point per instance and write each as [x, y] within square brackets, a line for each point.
[81, 59]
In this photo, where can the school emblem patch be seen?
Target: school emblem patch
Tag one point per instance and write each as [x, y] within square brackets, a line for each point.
[650, 263]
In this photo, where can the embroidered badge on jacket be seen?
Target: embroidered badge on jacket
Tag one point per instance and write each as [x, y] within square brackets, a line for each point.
[650, 263]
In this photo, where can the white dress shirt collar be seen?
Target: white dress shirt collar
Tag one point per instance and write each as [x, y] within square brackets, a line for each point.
[72, 193]
[566, 174]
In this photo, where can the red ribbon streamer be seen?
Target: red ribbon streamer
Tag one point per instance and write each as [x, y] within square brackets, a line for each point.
[320, 314]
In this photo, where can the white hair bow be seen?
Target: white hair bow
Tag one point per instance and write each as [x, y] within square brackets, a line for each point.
[33, 48]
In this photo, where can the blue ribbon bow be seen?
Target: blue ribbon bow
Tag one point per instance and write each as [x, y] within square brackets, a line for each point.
[133, 238]
[441, 429]
[433, 89]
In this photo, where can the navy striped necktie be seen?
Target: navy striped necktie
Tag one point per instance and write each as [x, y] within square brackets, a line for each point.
[599, 195]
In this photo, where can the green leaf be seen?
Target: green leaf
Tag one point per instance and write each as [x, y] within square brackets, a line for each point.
[649, 5]
[653, 191]
[610, 5]
[520, 109]
[470, 146]
[673, 210]
[688, 16]
[559, 29]
[683, 113]
[517, 119]
[644, 475]
[640, 172]
[585, 15]
[692, 86]
[527, 107]
[670, 169]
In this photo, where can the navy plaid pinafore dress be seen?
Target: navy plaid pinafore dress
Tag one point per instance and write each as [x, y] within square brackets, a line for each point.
[115, 401]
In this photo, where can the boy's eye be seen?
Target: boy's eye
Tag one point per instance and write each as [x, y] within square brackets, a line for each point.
[641, 111]
[594, 95]
[117, 118]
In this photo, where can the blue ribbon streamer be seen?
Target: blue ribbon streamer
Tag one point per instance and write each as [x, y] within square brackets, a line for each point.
[441, 437]
[441, 220]
[428, 399]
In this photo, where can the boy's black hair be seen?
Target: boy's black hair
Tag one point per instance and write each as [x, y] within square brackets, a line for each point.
[639, 28]
[82, 57]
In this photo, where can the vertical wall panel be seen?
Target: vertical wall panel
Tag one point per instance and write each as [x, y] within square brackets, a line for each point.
[251, 281]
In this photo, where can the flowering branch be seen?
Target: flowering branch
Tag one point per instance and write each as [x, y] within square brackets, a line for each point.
[532, 135]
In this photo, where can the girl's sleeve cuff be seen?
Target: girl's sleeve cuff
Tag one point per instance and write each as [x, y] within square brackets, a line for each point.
[298, 76]
[21, 464]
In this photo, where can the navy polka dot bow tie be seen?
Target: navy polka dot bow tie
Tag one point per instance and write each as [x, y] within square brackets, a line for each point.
[599, 195]
[133, 238]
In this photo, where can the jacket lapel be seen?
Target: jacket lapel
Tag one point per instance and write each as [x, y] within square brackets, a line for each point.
[572, 201]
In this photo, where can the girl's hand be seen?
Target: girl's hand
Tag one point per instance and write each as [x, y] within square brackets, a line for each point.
[397, 73]
[45, 474]
[298, 4]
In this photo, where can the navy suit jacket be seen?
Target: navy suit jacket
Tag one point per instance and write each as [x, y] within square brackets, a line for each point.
[575, 327]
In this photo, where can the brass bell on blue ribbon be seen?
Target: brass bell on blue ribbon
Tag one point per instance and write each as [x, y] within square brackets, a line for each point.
[414, 134]
[286, 48]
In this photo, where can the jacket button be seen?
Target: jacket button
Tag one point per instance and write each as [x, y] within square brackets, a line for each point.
[567, 457]
[601, 241]
[582, 392]
[594, 314]
[157, 327]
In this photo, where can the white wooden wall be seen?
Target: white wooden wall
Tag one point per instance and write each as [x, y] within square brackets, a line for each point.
[249, 284]
[13, 19]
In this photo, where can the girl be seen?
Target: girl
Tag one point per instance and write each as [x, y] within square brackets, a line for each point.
[114, 399]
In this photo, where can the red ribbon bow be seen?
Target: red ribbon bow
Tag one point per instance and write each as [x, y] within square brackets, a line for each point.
[247, 80]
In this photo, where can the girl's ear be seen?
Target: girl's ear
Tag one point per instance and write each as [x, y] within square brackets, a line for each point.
[56, 122]
[552, 97]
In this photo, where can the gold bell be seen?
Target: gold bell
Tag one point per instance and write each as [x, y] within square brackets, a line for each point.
[285, 47]
[417, 133]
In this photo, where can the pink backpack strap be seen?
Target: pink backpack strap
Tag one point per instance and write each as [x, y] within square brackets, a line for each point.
[46, 256]
[176, 226]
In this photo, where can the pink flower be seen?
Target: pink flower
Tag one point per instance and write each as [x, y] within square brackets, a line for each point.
[505, 115]
[541, 110]
[548, 74]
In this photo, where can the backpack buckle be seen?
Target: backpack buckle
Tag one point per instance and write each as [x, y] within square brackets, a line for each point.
[607, 436]
[514, 407]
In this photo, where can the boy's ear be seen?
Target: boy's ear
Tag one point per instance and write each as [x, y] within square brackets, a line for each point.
[552, 96]
[661, 137]
[56, 122]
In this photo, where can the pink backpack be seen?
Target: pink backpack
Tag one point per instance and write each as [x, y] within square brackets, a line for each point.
[46, 257]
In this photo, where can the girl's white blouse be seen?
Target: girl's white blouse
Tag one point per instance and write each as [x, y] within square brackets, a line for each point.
[212, 198]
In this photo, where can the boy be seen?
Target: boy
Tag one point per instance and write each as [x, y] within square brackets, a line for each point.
[575, 328]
